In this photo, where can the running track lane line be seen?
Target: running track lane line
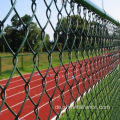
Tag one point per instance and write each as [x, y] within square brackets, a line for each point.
[48, 103]
[40, 93]
[48, 90]
[41, 79]
[57, 96]
[27, 77]
[34, 87]
[84, 72]
[51, 68]
[53, 100]
[30, 88]
[37, 72]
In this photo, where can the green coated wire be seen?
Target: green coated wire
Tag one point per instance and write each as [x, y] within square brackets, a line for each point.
[89, 34]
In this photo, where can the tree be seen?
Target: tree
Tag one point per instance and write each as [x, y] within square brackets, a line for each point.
[15, 34]
[71, 30]
[13, 37]
[47, 42]
[78, 32]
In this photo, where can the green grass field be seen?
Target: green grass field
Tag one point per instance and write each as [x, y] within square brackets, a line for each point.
[100, 103]
[7, 62]
[26, 64]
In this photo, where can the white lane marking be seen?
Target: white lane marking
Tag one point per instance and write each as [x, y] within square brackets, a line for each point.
[35, 72]
[36, 95]
[30, 82]
[36, 87]
[60, 84]
[48, 102]
[47, 90]
[33, 75]
[57, 97]
[32, 87]
[51, 88]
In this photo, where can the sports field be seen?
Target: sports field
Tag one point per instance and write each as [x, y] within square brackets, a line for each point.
[59, 60]
[53, 90]
[25, 62]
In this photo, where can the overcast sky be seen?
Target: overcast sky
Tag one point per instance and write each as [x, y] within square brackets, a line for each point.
[23, 7]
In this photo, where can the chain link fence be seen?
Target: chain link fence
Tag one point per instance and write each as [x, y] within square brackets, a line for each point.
[88, 81]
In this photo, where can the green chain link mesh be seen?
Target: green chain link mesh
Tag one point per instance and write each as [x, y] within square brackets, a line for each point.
[91, 77]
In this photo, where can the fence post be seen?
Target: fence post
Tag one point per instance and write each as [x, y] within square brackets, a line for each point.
[0, 65]
[38, 59]
[22, 61]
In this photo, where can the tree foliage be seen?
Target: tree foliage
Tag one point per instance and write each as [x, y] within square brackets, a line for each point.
[70, 30]
[79, 33]
[15, 34]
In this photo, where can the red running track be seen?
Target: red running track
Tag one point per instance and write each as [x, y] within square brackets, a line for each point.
[87, 73]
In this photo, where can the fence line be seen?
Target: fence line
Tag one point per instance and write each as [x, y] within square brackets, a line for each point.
[85, 66]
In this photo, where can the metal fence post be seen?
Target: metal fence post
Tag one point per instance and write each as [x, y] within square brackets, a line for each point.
[0, 65]
[38, 59]
[22, 61]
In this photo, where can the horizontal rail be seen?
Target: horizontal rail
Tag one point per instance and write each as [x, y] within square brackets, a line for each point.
[18, 55]
[93, 7]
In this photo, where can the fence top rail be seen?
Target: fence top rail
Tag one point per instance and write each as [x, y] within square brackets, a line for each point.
[27, 54]
[8, 56]
[93, 7]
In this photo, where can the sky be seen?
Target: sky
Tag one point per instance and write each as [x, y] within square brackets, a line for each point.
[112, 7]
[23, 7]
